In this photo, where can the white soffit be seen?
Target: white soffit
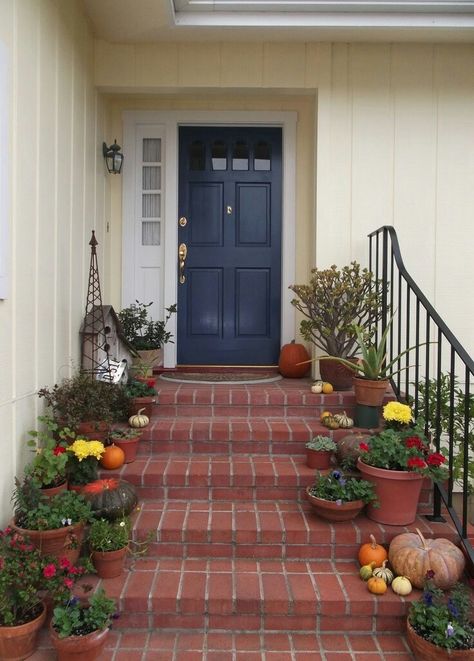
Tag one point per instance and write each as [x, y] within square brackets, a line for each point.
[325, 13]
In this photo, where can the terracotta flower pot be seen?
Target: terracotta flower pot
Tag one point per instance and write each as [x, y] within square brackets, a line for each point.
[79, 648]
[50, 492]
[94, 430]
[397, 492]
[145, 403]
[320, 459]
[370, 393]
[19, 642]
[337, 374]
[129, 447]
[331, 511]
[423, 649]
[109, 564]
[59, 542]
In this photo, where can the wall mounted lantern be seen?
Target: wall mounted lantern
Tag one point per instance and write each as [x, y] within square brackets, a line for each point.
[113, 157]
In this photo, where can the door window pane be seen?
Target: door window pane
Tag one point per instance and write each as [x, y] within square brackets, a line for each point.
[262, 160]
[197, 156]
[219, 155]
[150, 233]
[151, 179]
[151, 205]
[240, 156]
[152, 150]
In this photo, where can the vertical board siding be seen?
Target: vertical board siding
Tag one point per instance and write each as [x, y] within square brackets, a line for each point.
[56, 118]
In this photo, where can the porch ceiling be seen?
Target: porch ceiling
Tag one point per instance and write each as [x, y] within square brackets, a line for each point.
[147, 21]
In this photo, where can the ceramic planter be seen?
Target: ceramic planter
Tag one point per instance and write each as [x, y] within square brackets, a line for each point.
[19, 642]
[337, 374]
[423, 649]
[370, 393]
[59, 542]
[145, 403]
[79, 648]
[320, 459]
[397, 492]
[331, 511]
[109, 564]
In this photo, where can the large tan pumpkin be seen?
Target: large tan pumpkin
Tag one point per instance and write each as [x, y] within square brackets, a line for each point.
[412, 555]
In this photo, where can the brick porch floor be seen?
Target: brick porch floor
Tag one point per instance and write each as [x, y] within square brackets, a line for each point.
[239, 567]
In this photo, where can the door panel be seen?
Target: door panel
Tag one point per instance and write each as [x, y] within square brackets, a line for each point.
[230, 194]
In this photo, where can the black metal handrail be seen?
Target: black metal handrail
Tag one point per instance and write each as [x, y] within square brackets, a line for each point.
[438, 382]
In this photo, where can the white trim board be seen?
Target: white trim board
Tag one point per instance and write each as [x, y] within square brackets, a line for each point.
[170, 122]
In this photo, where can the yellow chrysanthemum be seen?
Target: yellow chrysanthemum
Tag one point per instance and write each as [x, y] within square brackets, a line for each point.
[83, 449]
[396, 412]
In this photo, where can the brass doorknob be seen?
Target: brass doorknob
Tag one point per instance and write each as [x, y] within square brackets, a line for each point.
[182, 254]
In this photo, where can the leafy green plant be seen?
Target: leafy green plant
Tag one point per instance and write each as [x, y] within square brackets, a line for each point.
[429, 394]
[48, 467]
[84, 398]
[60, 577]
[321, 443]
[140, 331]
[443, 619]
[75, 618]
[336, 487]
[36, 512]
[125, 434]
[333, 303]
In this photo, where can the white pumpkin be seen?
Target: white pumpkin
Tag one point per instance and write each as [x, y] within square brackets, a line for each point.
[317, 387]
[139, 419]
[401, 585]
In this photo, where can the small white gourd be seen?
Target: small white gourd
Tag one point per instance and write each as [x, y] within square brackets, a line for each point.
[317, 387]
[344, 421]
[139, 419]
[384, 572]
[401, 585]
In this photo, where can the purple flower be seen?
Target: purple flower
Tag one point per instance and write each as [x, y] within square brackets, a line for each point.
[339, 502]
[336, 475]
[342, 482]
[452, 608]
[449, 630]
[430, 574]
[428, 598]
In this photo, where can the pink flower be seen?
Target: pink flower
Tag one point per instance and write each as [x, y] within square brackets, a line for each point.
[435, 459]
[69, 583]
[64, 563]
[363, 447]
[49, 571]
[416, 462]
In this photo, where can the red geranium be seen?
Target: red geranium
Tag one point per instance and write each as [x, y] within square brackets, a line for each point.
[416, 462]
[363, 447]
[58, 450]
[435, 459]
[414, 442]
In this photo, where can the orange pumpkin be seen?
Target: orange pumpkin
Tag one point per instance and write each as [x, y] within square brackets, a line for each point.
[290, 355]
[372, 552]
[412, 556]
[113, 457]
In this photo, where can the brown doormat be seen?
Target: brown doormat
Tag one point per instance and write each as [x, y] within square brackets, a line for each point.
[221, 377]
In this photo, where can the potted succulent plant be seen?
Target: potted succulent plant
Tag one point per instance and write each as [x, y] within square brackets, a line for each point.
[127, 439]
[54, 525]
[319, 451]
[338, 498]
[333, 301]
[396, 460]
[86, 405]
[145, 336]
[440, 624]
[22, 612]
[48, 466]
[79, 630]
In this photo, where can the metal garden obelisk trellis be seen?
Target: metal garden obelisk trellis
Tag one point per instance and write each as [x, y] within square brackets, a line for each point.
[95, 349]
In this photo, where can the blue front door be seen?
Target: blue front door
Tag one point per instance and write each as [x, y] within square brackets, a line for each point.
[229, 283]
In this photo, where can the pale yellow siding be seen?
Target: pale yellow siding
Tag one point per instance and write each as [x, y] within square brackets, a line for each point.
[58, 194]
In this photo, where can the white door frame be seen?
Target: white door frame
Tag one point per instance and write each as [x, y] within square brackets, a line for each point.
[171, 120]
